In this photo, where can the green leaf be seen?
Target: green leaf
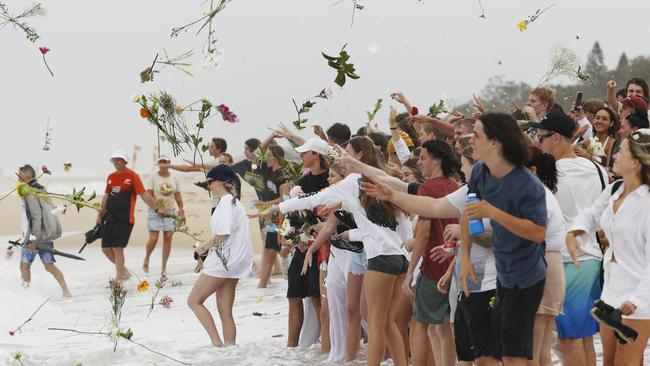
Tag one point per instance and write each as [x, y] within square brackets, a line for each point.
[340, 79]
[328, 57]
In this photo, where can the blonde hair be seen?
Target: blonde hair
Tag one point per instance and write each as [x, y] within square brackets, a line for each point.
[639, 143]
[230, 188]
[545, 94]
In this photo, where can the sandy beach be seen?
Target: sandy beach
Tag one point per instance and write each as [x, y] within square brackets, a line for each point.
[260, 314]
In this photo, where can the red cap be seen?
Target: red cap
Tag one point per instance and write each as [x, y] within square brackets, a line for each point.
[636, 102]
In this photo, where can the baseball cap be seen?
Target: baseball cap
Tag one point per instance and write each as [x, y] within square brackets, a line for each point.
[636, 102]
[222, 173]
[163, 157]
[120, 154]
[316, 145]
[556, 122]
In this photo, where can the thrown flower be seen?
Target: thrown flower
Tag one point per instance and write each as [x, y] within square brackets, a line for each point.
[44, 51]
[227, 115]
[46, 170]
[67, 167]
[143, 286]
[8, 255]
[18, 357]
[144, 113]
[523, 25]
[166, 301]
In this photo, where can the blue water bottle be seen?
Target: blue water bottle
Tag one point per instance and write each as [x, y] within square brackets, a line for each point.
[475, 225]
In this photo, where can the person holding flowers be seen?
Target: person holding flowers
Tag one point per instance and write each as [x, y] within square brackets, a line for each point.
[40, 229]
[230, 257]
[165, 189]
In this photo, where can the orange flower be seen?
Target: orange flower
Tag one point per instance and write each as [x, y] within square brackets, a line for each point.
[143, 286]
[179, 110]
[144, 113]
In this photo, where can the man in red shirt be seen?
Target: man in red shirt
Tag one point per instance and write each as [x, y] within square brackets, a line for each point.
[430, 306]
[116, 214]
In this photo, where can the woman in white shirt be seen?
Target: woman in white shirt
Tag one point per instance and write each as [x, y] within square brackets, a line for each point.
[624, 216]
[383, 230]
[543, 165]
[230, 257]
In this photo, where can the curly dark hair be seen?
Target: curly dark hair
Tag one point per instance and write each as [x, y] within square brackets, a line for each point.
[544, 167]
[449, 160]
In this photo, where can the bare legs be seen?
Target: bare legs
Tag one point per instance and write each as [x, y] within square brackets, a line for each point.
[382, 311]
[296, 318]
[151, 245]
[225, 292]
[116, 256]
[26, 274]
[269, 257]
[353, 306]
[615, 354]
[542, 338]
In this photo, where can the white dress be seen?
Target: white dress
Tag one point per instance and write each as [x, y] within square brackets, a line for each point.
[229, 219]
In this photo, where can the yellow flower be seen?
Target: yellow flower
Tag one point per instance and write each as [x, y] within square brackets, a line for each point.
[143, 286]
[67, 167]
[522, 25]
[23, 189]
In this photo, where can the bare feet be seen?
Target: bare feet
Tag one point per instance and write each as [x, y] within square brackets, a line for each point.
[124, 276]
[66, 294]
[145, 265]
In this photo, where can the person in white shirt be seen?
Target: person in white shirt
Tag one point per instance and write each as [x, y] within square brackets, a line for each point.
[624, 216]
[383, 230]
[543, 165]
[166, 191]
[230, 257]
[580, 182]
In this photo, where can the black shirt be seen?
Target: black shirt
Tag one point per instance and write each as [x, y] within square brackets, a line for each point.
[310, 184]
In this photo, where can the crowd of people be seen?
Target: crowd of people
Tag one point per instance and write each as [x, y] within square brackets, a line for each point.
[467, 240]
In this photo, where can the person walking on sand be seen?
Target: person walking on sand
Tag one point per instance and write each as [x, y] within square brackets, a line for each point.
[116, 212]
[230, 257]
[40, 229]
[164, 187]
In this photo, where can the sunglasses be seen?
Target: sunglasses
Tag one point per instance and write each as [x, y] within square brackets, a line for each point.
[541, 138]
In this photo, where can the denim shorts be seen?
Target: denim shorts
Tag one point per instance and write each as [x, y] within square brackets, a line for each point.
[156, 222]
[28, 256]
[358, 263]
[390, 264]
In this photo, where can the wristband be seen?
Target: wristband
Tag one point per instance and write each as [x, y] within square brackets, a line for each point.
[393, 128]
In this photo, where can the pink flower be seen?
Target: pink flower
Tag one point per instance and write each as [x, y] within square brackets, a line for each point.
[44, 50]
[227, 114]
[46, 170]
[9, 253]
[166, 301]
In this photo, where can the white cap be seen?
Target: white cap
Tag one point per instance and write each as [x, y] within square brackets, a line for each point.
[120, 154]
[316, 145]
[163, 157]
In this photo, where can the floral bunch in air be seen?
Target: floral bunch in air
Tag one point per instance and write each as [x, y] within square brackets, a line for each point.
[178, 62]
[18, 21]
[442, 108]
[523, 24]
[343, 69]
[306, 106]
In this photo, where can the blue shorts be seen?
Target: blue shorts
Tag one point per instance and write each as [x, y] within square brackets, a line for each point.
[582, 289]
[28, 256]
[358, 263]
[156, 222]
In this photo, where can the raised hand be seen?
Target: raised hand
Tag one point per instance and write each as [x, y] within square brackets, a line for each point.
[478, 103]
[398, 96]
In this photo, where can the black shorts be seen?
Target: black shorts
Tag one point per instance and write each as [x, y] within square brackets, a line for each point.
[271, 242]
[390, 264]
[116, 232]
[303, 286]
[513, 319]
[473, 327]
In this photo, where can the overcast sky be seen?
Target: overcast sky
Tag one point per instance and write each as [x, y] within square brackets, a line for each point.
[271, 53]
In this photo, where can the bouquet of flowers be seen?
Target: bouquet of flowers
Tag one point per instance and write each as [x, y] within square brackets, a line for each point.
[595, 150]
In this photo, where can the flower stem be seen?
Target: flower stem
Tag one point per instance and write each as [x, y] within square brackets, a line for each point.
[48, 66]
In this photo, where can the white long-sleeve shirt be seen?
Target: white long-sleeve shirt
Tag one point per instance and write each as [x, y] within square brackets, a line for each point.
[628, 231]
[401, 149]
[377, 240]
